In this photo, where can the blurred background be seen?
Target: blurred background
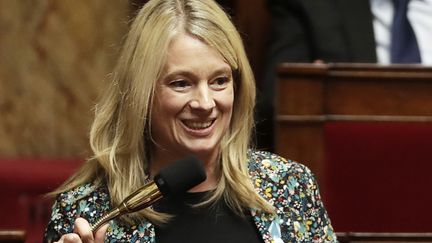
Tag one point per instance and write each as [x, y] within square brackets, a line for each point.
[54, 58]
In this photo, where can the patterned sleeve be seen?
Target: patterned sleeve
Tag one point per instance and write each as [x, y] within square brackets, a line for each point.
[87, 201]
[292, 189]
[61, 221]
[315, 214]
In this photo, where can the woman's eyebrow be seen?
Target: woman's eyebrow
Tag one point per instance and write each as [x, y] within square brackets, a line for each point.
[179, 73]
[190, 74]
[224, 70]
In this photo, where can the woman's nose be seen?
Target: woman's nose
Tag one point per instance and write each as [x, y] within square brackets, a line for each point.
[202, 98]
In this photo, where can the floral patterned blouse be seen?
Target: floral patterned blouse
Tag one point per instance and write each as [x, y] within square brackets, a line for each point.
[289, 186]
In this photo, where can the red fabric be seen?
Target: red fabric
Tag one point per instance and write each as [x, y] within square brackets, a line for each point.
[23, 183]
[35, 175]
[378, 176]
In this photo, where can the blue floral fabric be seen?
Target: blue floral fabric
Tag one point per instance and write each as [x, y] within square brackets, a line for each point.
[289, 186]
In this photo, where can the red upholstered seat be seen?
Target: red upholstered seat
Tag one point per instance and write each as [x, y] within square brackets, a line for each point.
[23, 183]
[378, 176]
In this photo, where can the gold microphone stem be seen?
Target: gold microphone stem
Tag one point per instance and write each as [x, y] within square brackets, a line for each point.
[140, 199]
[111, 215]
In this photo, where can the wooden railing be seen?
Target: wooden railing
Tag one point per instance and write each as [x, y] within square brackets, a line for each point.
[309, 95]
[12, 236]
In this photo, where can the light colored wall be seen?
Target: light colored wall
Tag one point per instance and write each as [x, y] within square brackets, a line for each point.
[54, 56]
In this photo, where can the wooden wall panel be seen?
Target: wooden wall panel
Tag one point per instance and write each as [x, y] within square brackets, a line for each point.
[54, 56]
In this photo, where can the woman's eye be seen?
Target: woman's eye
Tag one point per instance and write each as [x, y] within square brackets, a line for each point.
[221, 82]
[179, 84]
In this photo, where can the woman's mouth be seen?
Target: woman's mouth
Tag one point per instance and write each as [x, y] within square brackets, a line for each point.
[198, 125]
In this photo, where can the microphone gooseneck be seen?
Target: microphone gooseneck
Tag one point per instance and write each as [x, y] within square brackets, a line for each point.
[175, 179]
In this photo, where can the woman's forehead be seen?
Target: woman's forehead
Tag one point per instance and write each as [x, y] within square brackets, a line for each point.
[186, 52]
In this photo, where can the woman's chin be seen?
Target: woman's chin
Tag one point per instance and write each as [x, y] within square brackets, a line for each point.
[202, 148]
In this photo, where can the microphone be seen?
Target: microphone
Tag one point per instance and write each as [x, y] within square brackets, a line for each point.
[173, 180]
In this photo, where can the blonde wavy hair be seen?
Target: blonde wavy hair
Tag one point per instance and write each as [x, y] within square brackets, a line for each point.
[119, 135]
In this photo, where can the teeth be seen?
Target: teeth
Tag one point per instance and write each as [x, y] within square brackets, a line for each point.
[198, 125]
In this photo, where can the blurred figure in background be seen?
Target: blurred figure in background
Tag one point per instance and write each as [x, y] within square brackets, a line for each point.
[360, 31]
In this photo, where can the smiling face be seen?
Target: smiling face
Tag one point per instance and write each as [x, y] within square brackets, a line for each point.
[193, 102]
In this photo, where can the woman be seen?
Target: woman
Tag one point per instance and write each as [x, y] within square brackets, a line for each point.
[183, 85]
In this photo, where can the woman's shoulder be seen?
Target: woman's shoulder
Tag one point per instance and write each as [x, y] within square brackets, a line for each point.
[269, 170]
[267, 163]
[83, 192]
